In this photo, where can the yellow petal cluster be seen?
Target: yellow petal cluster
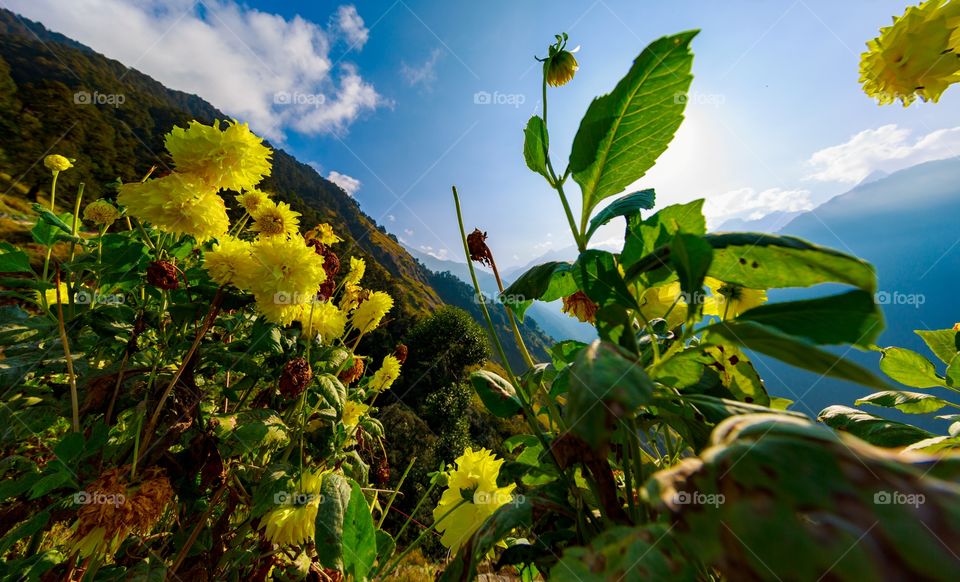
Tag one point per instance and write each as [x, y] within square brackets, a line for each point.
[230, 262]
[729, 300]
[384, 377]
[475, 480]
[323, 319]
[252, 199]
[918, 56]
[370, 312]
[233, 158]
[294, 521]
[275, 219]
[664, 302]
[323, 233]
[352, 412]
[357, 269]
[101, 213]
[177, 203]
[285, 275]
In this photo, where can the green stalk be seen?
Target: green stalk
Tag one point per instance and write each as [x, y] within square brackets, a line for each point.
[393, 496]
[424, 497]
[74, 398]
[558, 183]
[393, 565]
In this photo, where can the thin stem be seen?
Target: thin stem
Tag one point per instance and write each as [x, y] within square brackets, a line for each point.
[513, 320]
[556, 182]
[53, 190]
[74, 399]
[393, 496]
[411, 547]
[413, 514]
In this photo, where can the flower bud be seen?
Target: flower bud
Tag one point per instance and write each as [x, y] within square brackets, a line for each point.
[57, 163]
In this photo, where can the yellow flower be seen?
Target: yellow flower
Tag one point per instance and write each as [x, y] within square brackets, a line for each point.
[252, 199]
[323, 233]
[294, 521]
[357, 269]
[385, 376]
[57, 163]
[275, 219]
[916, 57]
[230, 262]
[322, 318]
[580, 306]
[101, 212]
[230, 159]
[352, 411]
[472, 495]
[369, 313]
[286, 274]
[51, 295]
[657, 301]
[351, 296]
[560, 66]
[177, 203]
[730, 300]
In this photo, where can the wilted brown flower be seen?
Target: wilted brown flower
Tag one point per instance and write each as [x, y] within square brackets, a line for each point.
[295, 377]
[479, 251]
[163, 275]
[400, 353]
[580, 306]
[353, 373]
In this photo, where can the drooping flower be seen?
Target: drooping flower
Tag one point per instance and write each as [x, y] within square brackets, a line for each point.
[384, 377]
[233, 158]
[352, 412]
[357, 269]
[560, 65]
[354, 372]
[472, 495]
[285, 275]
[275, 219]
[251, 200]
[294, 378]
[324, 234]
[177, 203]
[323, 319]
[580, 306]
[230, 262]
[729, 300]
[918, 56]
[294, 521]
[370, 312]
[477, 245]
[163, 275]
[664, 302]
[57, 163]
[101, 213]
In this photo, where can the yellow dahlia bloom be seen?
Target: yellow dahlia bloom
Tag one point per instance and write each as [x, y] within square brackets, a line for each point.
[178, 203]
[57, 163]
[657, 301]
[101, 213]
[357, 269]
[230, 262]
[275, 219]
[473, 480]
[252, 199]
[233, 158]
[285, 275]
[369, 313]
[916, 57]
[323, 233]
[322, 318]
[352, 412]
[294, 521]
[352, 294]
[385, 376]
[730, 300]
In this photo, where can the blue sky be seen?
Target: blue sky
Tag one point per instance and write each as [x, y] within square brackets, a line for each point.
[383, 98]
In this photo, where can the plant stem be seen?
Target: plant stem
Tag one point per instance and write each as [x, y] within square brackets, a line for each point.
[556, 182]
[513, 320]
[413, 546]
[413, 514]
[196, 530]
[74, 399]
[403, 478]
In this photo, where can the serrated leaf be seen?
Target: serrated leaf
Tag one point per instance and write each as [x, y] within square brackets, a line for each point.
[335, 492]
[13, 260]
[909, 402]
[909, 368]
[944, 343]
[626, 206]
[644, 236]
[536, 144]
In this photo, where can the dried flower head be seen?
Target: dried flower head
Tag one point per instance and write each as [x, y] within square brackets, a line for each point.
[163, 275]
[295, 377]
[479, 251]
[580, 306]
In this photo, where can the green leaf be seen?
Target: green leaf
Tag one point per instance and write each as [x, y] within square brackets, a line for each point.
[13, 260]
[909, 368]
[873, 429]
[792, 350]
[909, 402]
[626, 553]
[849, 318]
[763, 261]
[628, 206]
[336, 494]
[333, 391]
[546, 282]
[51, 482]
[359, 537]
[624, 132]
[737, 374]
[497, 394]
[691, 256]
[564, 353]
[944, 343]
[61, 222]
[49, 227]
[596, 273]
[536, 144]
[604, 383]
[24, 530]
[953, 372]
[644, 236]
[935, 445]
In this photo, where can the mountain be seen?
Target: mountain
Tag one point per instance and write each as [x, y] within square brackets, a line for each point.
[768, 223]
[551, 320]
[48, 104]
[906, 225]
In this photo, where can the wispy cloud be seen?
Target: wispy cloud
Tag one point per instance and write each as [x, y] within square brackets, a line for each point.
[349, 184]
[423, 75]
[750, 204]
[349, 22]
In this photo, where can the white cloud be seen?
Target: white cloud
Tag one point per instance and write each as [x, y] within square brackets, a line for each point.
[274, 72]
[408, 231]
[423, 75]
[750, 204]
[349, 184]
[391, 218]
[348, 21]
[888, 149]
[435, 253]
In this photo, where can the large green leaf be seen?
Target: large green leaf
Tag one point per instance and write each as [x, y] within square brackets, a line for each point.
[629, 205]
[645, 235]
[691, 257]
[848, 318]
[13, 260]
[336, 493]
[763, 261]
[536, 145]
[497, 394]
[624, 132]
[909, 368]
[909, 402]
[597, 275]
[792, 350]
[945, 343]
[546, 282]
[873, 429]
[359, 537]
